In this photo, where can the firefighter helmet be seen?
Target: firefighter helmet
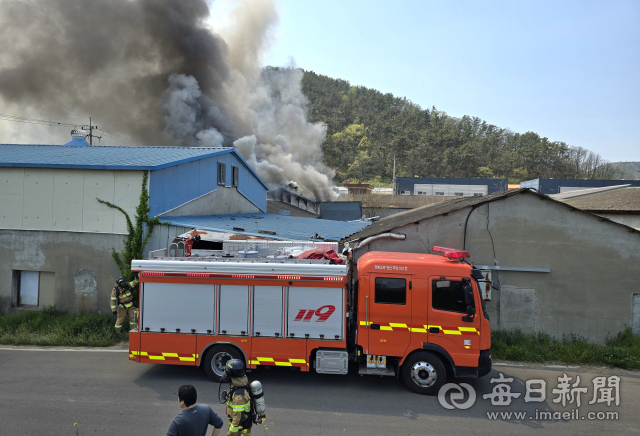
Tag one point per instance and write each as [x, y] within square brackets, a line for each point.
[121, 281]
[235, 367]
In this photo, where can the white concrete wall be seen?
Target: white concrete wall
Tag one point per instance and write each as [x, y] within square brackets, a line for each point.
[65, 199]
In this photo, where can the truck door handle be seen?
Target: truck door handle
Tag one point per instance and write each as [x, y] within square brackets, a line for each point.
[375, 326]
[434, 330]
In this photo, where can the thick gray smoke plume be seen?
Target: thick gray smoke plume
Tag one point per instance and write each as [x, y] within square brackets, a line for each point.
[155, 71]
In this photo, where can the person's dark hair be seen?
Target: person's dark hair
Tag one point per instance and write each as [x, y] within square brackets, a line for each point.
[188, 394]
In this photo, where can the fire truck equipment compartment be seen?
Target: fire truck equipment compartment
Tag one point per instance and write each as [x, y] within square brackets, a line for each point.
[317, 312]
[268, 304]
[171, 306]
[234, 309]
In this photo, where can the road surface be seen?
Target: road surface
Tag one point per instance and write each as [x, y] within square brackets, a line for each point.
[44, 392]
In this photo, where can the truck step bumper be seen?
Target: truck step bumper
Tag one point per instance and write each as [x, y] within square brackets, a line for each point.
[375, 371]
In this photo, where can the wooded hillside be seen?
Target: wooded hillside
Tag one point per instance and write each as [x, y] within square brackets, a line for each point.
[366, 128]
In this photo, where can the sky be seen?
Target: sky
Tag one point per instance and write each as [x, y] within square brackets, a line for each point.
[566, 70]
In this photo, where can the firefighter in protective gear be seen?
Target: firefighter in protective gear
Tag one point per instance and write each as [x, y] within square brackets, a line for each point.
[122, 302]
[239, 409]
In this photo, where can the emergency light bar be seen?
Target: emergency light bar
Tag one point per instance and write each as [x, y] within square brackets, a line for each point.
[451, 253]
[239, 276]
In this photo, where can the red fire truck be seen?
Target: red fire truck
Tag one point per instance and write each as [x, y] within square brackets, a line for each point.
[417, 316]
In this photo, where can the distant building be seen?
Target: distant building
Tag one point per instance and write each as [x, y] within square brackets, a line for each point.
[559, 186]
[449, 186]
[383, 191]
[281, 201]
[56, 237]
[359, 188]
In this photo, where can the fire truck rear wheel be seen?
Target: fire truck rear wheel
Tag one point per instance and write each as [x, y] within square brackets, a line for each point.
[424, 373]
[216, 358]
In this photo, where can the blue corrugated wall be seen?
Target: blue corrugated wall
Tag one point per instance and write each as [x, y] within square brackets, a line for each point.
[174, 186]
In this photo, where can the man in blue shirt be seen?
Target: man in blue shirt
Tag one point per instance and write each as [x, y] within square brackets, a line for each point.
[195, 418]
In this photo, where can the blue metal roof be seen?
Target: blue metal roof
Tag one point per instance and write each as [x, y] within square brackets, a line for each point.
[77, 143]
[285, 227]
[107, 157]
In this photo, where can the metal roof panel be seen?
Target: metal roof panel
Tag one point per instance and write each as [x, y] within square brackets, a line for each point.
[102, 157]
[285, 227]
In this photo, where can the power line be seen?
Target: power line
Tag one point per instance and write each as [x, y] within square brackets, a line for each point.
[26, 120]
[108, 133]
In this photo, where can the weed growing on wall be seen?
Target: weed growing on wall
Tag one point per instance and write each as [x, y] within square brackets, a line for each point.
[134, 242]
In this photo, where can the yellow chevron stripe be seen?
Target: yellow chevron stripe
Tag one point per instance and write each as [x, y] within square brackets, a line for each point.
[452, 332]
[297, 361]
[399, 325]
[386, 328]
[156, 357]
[265, 359]
[418, 330]
[283, 364]
[170, 354]
[188, 359]
[467, 329]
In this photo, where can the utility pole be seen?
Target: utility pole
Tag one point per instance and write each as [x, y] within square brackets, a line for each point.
[394, 174]
[90, 135]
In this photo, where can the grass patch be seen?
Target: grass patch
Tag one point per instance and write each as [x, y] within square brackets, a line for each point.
[51, 327]
[622, 351]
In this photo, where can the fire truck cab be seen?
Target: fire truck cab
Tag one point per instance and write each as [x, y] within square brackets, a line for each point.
[415, 316]
[423, 315]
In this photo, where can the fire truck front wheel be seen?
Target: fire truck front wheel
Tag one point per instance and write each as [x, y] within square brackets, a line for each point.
[424, 373]
[216, 358]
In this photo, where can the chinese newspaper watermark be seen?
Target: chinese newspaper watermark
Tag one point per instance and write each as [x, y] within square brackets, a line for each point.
[569, 392]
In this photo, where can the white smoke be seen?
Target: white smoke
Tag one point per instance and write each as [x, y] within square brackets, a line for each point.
[262, 111]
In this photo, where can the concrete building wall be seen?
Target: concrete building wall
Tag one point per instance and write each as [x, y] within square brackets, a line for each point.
[65, 199]
[76, 270]
[628, 220]
[594, 265]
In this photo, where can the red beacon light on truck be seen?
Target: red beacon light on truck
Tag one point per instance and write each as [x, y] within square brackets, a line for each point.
[451, 253]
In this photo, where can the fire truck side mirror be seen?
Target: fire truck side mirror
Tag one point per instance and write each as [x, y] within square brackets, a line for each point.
[468, 295]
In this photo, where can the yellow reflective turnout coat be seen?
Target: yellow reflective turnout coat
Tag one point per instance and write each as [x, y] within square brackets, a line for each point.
[239, 407]
[122, 296]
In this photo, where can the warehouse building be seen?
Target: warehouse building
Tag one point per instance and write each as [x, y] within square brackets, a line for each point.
[560, 270]
[559, 186]
[56, 237]
[449, 186]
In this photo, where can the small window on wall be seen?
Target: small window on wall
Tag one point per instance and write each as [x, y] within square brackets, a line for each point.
[222, 173]
[477, 194]
[28, 288]
[448, 295]
[235, 176]
[459, 194]
[439, 193]
[390, 290]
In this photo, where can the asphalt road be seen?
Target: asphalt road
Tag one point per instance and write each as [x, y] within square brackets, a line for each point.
[46, 392]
